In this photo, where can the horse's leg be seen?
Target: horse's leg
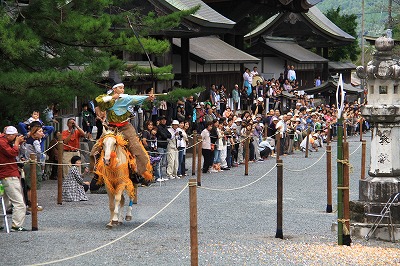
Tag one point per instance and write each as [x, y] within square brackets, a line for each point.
[129, 210]
[111, 206]
[121, 209]
[117, 208]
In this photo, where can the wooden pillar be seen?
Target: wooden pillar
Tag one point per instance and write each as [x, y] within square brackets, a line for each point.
[363, 158]
[277, 146]
[194, 245]
[279, 207]
[246, 156]
[328, 178]
[199, 154]
[185, 62]
[194, 152]
[34, 209]
[346, 195]
[60, 147]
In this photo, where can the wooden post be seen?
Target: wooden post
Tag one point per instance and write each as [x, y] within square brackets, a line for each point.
[328, 178]
[194, 152]
[199, 154]
[344, 130]
[279, 207]
[33, 165]
[328, 137]
[246, 156]
[194, 245]
[346, 195]
[135, 190]
[60, 147]
[277, 146]
[307, 142]
[363, 158]
[361, 128]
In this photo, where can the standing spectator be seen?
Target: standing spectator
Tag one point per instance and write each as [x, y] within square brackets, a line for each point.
[172, 150]
[71, 138]
[222, 99]
[258, 107]
[10, 176]
[162, 141]
[318, 81]
[189, 106]
[207, 147]
[182, 144]
[291, 76]
[247, 80]
[33, 145]
[100, 121]
[88, 121]
[73, 186]
[235, 98]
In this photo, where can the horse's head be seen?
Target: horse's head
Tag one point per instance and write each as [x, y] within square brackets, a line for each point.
[109, 147]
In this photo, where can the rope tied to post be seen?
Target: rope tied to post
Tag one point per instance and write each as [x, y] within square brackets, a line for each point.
[346, 162]
[346, 230]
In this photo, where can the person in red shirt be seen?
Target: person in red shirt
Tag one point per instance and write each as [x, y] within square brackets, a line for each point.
[10, 176]
[71, 137]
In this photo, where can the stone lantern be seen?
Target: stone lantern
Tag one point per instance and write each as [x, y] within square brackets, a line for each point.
[383, 112]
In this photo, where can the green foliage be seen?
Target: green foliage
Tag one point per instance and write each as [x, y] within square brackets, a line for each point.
[52, 50]
[348, 23]
[179, 93]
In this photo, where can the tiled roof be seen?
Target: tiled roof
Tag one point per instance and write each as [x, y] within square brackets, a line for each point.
[341, 65]
[205, 16]
[289, 48]
[211, 49]
[315, 16]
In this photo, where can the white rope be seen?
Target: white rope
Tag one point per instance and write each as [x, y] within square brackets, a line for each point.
[119, 238]
[356, 149]
[237, 188]
[308, 167]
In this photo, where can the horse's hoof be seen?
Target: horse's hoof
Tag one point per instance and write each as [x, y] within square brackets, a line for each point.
[114, 222]
[128, 218]
[109, 226]
[119, 223]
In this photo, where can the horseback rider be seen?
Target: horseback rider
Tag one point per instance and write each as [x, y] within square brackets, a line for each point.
[117, 105]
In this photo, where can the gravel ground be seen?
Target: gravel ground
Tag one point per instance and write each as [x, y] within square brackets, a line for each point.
[235, 226]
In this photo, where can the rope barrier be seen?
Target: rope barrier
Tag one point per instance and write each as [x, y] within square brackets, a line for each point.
[237, 188]
[117, 239]
[356, 149]
[308, 167]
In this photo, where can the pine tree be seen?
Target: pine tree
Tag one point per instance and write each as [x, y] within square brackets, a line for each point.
[54, 50]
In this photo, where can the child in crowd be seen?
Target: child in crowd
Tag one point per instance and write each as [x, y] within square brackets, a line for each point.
[88, 121]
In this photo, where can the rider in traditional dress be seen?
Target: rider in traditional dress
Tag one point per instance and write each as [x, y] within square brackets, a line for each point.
[117, 105]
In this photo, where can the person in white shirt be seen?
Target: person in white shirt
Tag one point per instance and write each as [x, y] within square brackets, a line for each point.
[291, 76]
[172, 150]
[265, 148]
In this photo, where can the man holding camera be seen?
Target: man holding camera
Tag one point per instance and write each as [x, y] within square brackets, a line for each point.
[71, 138]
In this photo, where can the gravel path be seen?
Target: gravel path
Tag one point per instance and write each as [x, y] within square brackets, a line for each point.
[235, 227]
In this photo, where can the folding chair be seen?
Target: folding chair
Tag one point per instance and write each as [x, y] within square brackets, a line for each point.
[4, 214]
[385, 213]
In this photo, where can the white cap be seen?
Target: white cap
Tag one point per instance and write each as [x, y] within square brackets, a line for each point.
[260, 99]
[275, 119]
[315, 135]
[118, 85]
[238, 120]
[175, 122]
[10, 130]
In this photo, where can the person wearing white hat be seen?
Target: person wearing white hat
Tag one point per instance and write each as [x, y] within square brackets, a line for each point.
[172, 150]
[10, 176]
[258, 107]
[118, 107]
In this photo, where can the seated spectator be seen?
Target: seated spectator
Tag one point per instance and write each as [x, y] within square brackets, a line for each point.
[73, 187]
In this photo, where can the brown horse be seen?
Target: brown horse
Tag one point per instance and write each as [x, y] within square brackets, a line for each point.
[113, 168]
